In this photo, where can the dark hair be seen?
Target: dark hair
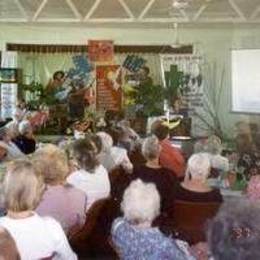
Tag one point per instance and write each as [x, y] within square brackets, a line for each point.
[59, 72]
[3, 133]
[117, 133]
[85, 153]
[160, 130]
[235, 232]
[146, 69]
[97, 142]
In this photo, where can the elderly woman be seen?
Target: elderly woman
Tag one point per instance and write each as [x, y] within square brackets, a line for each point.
[234, 232]
[35, 237]
[133, 235]
[90, 177]
[153, 172]
[52, 162]
[25, 141]
[195, 188]
[111, 156]
[13, 152]
[214, 149]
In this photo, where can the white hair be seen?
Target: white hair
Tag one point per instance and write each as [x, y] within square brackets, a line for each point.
[106, 140]
[141, 202]
[24, 127]
[151, 147]
[198, 165]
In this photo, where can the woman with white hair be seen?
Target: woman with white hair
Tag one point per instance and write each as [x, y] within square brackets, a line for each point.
[195, 188]
[111, 156]
[163, 178]
[133, 235]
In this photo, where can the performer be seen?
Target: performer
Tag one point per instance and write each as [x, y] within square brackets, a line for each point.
[55, 84]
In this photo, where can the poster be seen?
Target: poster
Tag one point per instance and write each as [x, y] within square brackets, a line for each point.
[182, 77]
[108, 88]
[101, 51]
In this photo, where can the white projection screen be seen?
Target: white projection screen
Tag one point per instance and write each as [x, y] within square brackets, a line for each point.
[246, 81]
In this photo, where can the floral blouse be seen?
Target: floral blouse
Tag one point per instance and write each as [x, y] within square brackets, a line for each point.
[135, 243]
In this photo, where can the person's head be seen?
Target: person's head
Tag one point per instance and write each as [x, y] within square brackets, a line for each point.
[84, 153]
[5, 135]
[159, 129]
[141, 202]
[96, 141]
[25, 128]
[151, 148]
[144, 71]
[8, 247]
[198, 166]
[59, 75]
[106, 140]
[214, 145]
[244, 143]
[52, 163]
[3, 153]
[253, 188]
[23, 186]
[235, 232]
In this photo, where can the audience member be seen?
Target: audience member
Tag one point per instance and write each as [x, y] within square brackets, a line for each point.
[195, 188]
[8, 249]
[153, 172]
[36, 237]
[170, 157]
[52, 163]
[111, 156]
[234, 232]
[253, 188]
[91, 177]
[13, 152]
[133, 235]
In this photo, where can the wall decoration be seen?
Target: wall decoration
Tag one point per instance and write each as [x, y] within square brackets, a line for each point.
[101, 51]
[108, 88]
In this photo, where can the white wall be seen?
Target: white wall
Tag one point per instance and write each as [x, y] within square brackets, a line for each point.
[214, 43]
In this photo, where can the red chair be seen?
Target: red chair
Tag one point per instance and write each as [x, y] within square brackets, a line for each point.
[190, 219]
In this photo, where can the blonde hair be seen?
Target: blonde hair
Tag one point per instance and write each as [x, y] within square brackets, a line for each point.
[23, 187]
[52, 163]
[141, 202]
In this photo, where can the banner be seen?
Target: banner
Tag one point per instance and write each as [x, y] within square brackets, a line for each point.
[108, 88]
[101, 51]
[182, 77]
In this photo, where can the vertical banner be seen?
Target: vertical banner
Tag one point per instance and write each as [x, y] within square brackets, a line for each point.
[101, 51]
[8, 90]
[108, 88]
[182, 77]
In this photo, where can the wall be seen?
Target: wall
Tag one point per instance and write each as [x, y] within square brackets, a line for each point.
[213, 42]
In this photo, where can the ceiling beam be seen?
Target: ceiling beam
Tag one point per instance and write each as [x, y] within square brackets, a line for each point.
[92, 9]
[74, 9]
[40, 8]
[200, 11]
[21, 8]
[237, 9]
[146, 9]
[255, 12]
[127, 9]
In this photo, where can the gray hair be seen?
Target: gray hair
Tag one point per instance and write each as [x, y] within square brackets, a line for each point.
[141, 202]
[214, 145]
[235, 232]
[151, 147]
[24, 127]
[198, 165]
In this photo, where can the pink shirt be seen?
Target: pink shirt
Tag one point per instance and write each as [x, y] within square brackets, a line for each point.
[65, 203]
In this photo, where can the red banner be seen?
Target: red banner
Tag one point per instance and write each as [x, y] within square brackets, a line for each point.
[101, 51]
[109, 91]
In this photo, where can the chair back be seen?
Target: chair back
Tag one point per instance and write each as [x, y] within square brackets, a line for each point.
[190, 219]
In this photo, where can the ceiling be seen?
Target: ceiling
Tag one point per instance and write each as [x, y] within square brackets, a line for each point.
[130, 12]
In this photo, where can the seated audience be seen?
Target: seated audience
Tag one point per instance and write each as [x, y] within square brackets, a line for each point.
[214, 149]
[13, 152]
[35, 237]
[111, 156]
[234, 232]
[25, 141]
[8, 249]
[133, 235]
[153, 172]
[170, 157]
[195, 188]
[52, 163]
[90, 177]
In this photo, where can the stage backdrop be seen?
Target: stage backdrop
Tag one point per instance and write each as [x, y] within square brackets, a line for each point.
[182, 76]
